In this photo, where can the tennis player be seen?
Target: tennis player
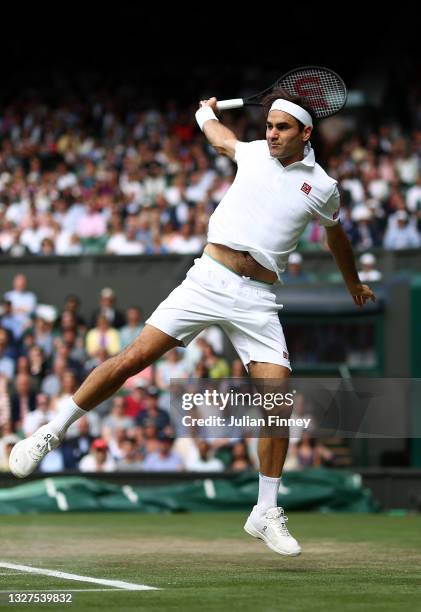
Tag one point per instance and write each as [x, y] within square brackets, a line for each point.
[279, 188]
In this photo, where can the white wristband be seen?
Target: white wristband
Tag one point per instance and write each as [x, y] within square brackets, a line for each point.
[204, 114]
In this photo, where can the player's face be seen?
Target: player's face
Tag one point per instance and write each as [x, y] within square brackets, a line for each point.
[284, 137]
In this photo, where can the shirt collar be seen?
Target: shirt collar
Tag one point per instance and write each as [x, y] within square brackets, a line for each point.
[309, 157]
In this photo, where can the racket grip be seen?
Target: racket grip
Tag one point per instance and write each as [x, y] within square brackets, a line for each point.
[226, 104]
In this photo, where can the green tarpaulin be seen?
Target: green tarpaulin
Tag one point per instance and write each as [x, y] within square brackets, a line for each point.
[313, 489]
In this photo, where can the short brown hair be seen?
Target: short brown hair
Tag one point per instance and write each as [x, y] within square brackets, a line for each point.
[277, 93]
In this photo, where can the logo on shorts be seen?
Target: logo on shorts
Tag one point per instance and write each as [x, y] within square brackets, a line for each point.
[285, 354]
[336, 214]
[306, 188]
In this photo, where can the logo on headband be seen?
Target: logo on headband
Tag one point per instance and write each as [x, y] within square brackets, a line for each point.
[306, 188]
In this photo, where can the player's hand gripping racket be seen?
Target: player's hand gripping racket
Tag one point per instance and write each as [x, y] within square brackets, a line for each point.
[323, 89]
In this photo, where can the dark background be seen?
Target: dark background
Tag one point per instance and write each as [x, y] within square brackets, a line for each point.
[184, 52]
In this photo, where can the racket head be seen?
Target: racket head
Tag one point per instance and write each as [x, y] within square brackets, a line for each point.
[323, 89]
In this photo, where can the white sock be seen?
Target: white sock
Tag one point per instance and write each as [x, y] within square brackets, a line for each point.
[268, 493]
[68, 415]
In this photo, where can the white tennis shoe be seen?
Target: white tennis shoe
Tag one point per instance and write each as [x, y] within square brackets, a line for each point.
[271, 528]
[27, 454]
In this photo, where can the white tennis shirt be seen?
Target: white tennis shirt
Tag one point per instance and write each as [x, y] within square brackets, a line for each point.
[268, 206]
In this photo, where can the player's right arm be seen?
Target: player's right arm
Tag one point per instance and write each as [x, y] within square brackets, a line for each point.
[218, 135]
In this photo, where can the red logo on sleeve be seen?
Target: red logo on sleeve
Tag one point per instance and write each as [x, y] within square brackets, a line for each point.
[306, 188]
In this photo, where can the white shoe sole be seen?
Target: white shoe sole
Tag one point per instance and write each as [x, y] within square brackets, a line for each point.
[11, 461]
[248, 528]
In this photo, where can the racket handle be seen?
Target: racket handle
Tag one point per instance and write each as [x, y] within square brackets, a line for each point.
[226, 104]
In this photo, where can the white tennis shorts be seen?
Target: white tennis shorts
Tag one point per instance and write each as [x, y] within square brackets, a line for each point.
[212, 294]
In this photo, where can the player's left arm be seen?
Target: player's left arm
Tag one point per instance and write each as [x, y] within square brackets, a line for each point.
[341, 249]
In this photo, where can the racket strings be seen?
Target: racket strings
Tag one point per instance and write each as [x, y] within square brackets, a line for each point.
[323, 90]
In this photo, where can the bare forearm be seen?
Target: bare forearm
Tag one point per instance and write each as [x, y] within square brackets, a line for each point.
[341, 250]
[217, 133]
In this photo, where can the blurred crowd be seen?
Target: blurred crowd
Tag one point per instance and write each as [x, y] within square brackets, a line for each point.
[46, 353]
[97, 176]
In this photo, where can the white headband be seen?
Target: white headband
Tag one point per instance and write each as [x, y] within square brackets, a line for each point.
[292, 109]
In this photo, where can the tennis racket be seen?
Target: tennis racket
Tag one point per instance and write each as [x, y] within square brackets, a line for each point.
[323, 89]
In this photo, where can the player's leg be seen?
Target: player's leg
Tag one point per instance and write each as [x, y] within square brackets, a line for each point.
[272, 451]
[267, 521]
[107, 378]
[101, 383]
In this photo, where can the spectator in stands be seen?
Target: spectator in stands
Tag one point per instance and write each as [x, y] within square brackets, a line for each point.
[132, 328]
[6, 425]
[78, 445]
[147, 437]
[23, 301]
[200, 371]
[115, 440]
[115, 234]
[312, 453]
[37, 366]
[413, 201]
[186, 242]
[205, 461]
[127, 243]
[72, 304]
[51, 383]
[63, 350]
[22, 400]
[152, 414]
[135, 401]
[164, 459]
[67, 388]
[103, 336]
[74, 344]
[368, 272]
[108, 309]
[156, 247]
[99, 459]
[216, 365]
[237, 369]
[47, 247]
[402, 235]
[68, 243]
[117, 419]
[16, 248]
[295, 273]
[92, 224]
[364, 235]
[41, 415]
[131, 460]
[172, 365]
[240, 460]
[12, 323]
[67, 321]
[7, 363]
[22, 365]
[42, 329]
